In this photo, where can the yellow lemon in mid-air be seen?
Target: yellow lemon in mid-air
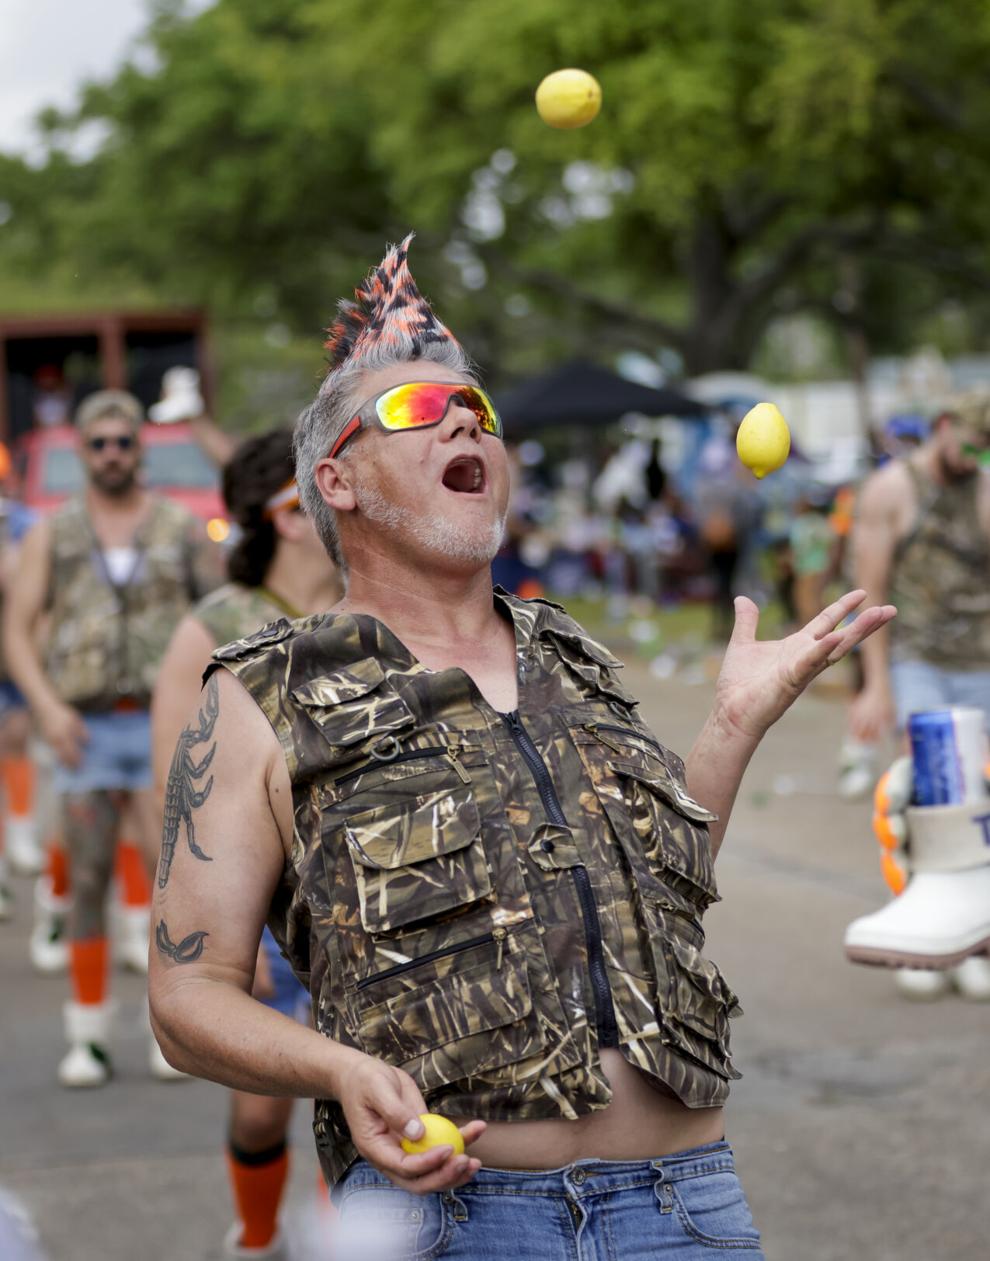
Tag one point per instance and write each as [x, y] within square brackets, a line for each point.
[763, 440]
[568, 99]
[437, 1132]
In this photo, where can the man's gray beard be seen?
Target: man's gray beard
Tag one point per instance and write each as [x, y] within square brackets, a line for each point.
[432, 531]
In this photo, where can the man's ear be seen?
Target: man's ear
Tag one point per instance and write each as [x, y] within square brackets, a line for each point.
[333, 480]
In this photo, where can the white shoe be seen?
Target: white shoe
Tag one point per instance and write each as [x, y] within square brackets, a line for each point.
[939, 919]
[275, 1250]
[130, 947]
[972, 978]
[25, 854]
[182, 401]
[857, 770]
[87, 1030]
[48, 944]
[921, 985]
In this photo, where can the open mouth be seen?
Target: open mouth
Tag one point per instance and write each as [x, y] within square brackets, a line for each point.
[464, 476]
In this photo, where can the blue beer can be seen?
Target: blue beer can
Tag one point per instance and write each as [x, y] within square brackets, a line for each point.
[948, 752]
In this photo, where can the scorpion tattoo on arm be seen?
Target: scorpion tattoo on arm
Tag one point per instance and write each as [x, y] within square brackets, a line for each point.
[182, 796]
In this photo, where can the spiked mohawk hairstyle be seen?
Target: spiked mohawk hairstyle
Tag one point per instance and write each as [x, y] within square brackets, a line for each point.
[387, 322]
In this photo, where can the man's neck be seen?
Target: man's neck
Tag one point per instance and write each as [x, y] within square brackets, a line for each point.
[434, 607]
[99, 504]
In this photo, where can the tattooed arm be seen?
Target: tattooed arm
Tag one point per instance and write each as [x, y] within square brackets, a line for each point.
[210, 907]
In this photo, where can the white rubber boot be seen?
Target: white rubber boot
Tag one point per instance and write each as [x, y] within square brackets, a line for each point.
[87, 1030]
[49, 944]
[943, 915]
[130, 947]
[972, 978]
[24, 853]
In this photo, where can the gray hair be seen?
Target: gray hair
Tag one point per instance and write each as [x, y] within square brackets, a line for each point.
[339, 397]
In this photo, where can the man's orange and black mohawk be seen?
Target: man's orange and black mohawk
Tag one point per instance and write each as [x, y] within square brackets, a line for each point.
[387, 309]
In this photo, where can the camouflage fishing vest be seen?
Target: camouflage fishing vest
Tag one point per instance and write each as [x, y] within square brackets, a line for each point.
[106, 641]
[486, 900]
[233, 611]
[940, 580]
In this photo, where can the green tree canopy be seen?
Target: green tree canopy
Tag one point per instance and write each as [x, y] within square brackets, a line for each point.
[750, 161]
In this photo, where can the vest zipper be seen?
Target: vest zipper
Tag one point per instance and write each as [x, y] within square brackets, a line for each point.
[451, 751]
[497, 935]
[608, 1032]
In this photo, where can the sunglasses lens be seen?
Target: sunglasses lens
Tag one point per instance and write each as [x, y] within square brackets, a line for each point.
[424, 403]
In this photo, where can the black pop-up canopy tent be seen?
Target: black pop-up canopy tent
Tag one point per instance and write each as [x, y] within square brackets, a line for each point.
[584, 394]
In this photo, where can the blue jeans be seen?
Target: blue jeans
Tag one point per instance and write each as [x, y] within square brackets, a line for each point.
[117, 755]
[689, 1206]
[918, 685]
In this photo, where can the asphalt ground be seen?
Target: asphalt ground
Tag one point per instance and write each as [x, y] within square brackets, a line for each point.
[860, 1125]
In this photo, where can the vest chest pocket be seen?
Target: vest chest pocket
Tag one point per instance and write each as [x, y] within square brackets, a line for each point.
[417, 859]
[663, 831]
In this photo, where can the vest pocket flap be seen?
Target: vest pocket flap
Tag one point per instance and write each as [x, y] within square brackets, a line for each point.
[582, 646]
[340, 686]
[386, 837]
[592, 665]
[450, 1008]
[668, 788]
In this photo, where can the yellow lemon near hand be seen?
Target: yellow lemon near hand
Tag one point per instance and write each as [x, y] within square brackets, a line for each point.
[763, 441]
[568, 99]
[437, 1132]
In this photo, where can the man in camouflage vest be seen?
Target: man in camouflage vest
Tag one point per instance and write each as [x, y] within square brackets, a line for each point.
[111, 573]
[922, 540]
[487, 869]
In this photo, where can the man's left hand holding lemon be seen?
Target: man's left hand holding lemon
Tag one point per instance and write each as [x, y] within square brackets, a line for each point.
[383, 1105]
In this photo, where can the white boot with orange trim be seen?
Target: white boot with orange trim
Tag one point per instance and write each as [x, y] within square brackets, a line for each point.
[941, 915]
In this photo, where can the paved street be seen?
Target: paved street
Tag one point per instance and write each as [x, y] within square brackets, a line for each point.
[860, 1125]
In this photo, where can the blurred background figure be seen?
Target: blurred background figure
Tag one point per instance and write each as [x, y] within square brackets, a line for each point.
[110, 574]
[922, 541]
[278, 568]
[51, 399]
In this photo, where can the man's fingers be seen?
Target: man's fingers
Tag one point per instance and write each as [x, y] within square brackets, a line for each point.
[829, 618]
[865, 624]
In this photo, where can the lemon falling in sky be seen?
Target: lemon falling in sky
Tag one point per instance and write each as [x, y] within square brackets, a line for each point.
[568, 98]
[437, 1132]
[763, 441]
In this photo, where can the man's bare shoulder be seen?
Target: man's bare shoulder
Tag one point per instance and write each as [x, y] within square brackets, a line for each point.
[888, 497]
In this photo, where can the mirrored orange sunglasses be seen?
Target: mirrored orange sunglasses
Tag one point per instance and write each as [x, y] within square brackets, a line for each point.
[418, 405]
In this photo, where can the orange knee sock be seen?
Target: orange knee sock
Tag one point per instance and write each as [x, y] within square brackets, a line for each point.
[135, 888]
[58, 870]
[18, 781]
[89, 970]
[257, 1180]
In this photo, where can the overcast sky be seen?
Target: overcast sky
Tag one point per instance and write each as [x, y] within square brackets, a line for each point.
[49, 47]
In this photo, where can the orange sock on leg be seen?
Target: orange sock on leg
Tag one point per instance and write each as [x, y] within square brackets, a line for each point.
[135, 887]
[58, 869]
[18, 782]
[88, 966]
[258, 1180]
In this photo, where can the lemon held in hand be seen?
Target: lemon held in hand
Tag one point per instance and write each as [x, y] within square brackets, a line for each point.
[763, 441]
[437, 1131]
[568, 98]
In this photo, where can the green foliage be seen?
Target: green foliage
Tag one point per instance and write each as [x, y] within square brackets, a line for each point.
[749, 159]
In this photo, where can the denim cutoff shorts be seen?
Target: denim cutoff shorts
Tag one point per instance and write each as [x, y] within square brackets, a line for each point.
[920, 686]
[686, 1206]
[290, 996]
[117, 755]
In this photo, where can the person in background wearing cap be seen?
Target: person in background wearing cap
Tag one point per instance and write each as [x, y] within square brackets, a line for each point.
[113, 571]
[278, 568]
[472, 849]
[921, 541]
